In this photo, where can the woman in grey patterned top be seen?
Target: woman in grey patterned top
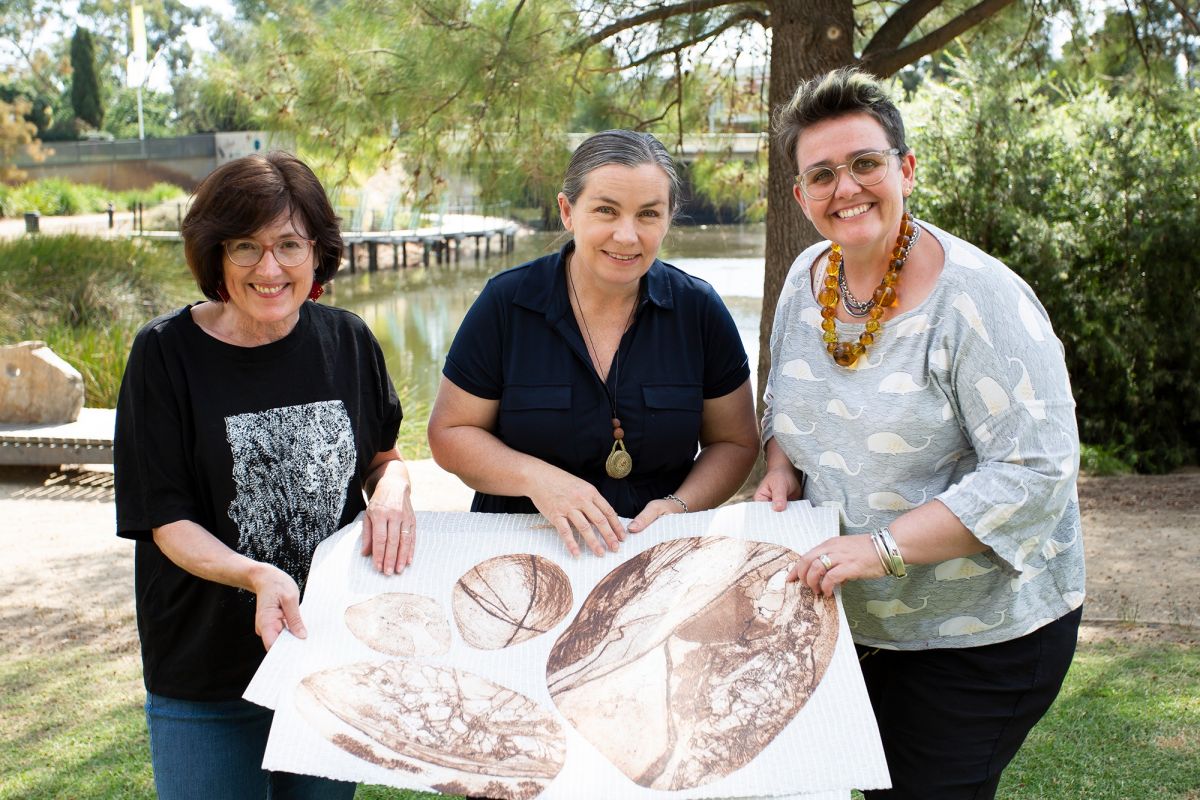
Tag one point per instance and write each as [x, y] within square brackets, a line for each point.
[941, 424]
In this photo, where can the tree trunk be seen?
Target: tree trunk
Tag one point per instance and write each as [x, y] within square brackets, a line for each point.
[808, 37]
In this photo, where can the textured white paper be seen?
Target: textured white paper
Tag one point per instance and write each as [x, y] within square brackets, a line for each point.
[831, 744]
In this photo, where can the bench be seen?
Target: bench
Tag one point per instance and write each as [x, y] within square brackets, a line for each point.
[87, 440]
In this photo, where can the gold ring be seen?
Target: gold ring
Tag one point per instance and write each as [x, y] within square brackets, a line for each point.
[825, 561]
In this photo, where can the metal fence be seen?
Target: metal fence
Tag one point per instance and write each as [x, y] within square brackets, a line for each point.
[203, 145]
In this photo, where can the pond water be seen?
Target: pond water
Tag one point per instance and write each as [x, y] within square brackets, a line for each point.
[415, 312]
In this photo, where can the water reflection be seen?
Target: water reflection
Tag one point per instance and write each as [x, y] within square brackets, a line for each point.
[415, 312]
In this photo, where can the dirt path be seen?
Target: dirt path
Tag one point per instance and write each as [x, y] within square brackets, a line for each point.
[66, 579]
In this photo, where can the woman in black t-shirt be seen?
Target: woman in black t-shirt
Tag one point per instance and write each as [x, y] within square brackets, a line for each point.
[249, 428]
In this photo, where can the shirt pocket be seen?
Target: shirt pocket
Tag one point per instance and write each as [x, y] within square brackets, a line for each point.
[537, 420]
[673, 414]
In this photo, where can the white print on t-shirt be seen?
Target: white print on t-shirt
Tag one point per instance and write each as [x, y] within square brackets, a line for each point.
[291, 467]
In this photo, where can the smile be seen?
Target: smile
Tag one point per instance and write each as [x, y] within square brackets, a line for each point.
[267, 291]
[620, 257]
[847, 213]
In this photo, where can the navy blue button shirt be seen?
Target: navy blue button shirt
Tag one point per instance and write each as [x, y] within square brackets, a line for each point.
[520, 344]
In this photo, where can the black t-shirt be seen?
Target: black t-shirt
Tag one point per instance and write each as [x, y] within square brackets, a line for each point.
[266, 448]
[519, 344]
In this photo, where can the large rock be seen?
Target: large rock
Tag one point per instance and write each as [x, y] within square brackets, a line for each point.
[37, 387]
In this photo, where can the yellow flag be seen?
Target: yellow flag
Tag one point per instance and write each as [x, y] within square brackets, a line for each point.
[137, 31]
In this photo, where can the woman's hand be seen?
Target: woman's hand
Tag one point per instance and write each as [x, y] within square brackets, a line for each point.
[572, 504]
[653, 510]
[389, 530]
[778, 486]
[850, 558]
[278, 604]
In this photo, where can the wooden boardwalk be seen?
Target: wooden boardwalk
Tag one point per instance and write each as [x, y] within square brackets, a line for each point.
[439, 244]
[87, 440]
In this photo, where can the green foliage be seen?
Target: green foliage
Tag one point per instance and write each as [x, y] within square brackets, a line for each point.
[1095, 459]
[732, 182]
[85, 83]
[1093, 199]
[58, 196]
[86, 297]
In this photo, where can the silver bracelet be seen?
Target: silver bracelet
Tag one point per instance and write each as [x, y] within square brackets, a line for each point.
[677, 500]
[895, 560]
[881, 551]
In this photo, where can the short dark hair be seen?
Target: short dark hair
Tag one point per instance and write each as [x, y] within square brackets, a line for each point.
[626, 148]
[835, 94]
[243, 196]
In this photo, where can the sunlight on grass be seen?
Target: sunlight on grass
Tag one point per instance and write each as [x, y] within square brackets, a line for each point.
[1124, 728]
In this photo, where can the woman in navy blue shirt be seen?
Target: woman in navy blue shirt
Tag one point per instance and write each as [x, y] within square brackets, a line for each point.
[599, 381]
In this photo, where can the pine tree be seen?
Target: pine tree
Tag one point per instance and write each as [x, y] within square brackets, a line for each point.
[85, 85]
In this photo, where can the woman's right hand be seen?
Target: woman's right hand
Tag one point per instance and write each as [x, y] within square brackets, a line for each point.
[778, 486]
[572, 504]
[278, 604]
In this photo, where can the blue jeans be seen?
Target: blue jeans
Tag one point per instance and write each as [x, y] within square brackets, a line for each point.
[207, 750]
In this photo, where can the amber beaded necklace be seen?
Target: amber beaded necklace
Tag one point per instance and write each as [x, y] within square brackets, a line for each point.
[846, 353]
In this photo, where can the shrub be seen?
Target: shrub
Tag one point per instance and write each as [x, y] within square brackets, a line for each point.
[86, 297]
[58, 196]
[1093, 199]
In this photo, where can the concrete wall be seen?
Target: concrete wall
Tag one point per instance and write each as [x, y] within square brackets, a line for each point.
[136, 164]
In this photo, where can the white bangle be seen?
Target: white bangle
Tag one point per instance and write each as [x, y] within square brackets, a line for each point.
[677, 500]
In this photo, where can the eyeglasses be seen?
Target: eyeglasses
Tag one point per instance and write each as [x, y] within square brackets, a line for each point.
[288, 252]
[867, 169]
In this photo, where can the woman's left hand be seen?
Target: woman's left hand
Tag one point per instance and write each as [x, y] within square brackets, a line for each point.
[653, 510]
[850, 558]
[389, 531]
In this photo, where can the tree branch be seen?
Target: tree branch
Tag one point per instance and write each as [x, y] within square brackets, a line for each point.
[653, 15]
[888, 63]
[899, 25]
[1183, 12]
[736, 19]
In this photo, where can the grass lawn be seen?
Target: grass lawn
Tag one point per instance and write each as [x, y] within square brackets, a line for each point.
[1127, 726]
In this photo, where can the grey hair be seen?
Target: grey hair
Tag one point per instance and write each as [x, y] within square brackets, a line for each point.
[836, 94]
[626, 148]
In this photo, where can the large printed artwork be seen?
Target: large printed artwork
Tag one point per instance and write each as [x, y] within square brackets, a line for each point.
[459, 732]
[699, 646]
[664, 671]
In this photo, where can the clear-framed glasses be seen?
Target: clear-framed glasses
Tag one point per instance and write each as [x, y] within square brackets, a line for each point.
[867, 169]
[290, 252]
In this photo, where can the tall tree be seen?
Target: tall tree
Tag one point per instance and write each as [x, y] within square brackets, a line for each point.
[496, 76]
[85, 83]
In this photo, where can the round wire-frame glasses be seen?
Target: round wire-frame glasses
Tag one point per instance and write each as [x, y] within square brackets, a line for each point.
[289, 252]
[867, 169]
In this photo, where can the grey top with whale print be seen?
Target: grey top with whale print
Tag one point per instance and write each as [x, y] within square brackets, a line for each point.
[964, 399]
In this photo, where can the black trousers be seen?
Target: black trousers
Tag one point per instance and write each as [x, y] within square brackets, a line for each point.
[952, 719]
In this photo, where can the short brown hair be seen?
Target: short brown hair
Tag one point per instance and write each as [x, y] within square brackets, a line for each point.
[247, 194]
[836, 94]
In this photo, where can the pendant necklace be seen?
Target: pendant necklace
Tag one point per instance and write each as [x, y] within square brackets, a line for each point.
[619, 463]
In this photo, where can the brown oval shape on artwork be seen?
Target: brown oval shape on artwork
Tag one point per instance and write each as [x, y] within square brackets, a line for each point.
[701, 647]
[400, 624]
[509, 599]
[455, 731]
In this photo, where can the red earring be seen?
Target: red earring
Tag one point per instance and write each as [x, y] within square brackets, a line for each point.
[316, 291]
[223, 293]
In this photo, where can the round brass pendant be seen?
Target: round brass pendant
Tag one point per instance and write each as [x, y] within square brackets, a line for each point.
[619, 463]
